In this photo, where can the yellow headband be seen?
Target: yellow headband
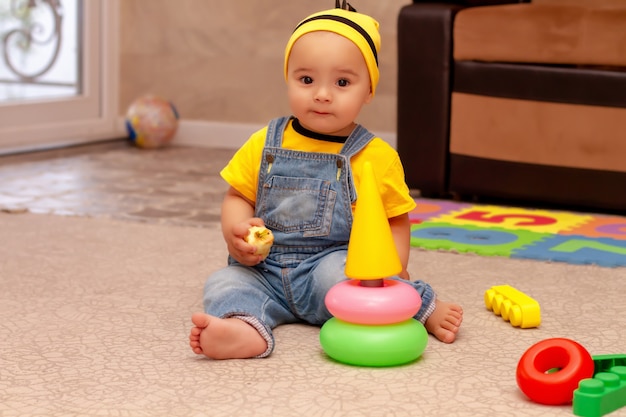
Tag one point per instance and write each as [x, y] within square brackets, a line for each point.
[361, 29]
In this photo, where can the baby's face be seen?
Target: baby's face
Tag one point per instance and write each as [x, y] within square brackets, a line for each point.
[327, 82]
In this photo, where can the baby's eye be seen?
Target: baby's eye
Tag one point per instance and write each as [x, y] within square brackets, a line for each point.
[306, 79]
[343, 82]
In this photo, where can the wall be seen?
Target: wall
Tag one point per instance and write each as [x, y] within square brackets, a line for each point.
[222, 60]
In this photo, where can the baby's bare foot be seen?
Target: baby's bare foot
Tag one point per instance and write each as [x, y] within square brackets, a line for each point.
[229, 338]
[445, 321]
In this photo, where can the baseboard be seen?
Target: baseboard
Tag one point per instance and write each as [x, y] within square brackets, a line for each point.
[227, 135]
[211, 134]
[200, 133]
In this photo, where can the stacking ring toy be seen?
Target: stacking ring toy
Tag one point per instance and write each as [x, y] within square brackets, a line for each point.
[394, 302]
[550, 370]
[359, 344]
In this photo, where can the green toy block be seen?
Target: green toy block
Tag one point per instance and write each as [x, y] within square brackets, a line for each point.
[605, 362]
[606, 391]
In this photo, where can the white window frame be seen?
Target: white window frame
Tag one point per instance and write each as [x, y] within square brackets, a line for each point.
[92, 116]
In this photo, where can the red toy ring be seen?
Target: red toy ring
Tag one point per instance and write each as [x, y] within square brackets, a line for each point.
[550, 370]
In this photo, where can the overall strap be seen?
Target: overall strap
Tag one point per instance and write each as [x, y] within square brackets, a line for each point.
[357, 140]
[273, 139]
[275, 129]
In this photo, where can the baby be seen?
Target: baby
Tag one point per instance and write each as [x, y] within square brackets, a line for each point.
[298, 176]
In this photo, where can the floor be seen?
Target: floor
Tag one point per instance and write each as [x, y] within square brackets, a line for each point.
[174, 185]
[94, 331]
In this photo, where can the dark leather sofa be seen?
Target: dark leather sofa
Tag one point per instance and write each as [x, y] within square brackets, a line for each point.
[429, 77]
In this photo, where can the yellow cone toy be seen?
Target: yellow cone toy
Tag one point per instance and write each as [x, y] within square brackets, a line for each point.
[372, 253]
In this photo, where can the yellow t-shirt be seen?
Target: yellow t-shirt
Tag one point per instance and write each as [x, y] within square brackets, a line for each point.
[242, 172]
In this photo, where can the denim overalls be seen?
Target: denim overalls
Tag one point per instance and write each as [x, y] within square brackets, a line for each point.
[306, 200]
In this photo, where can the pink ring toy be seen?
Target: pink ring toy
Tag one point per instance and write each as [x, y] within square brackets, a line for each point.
[394, 302]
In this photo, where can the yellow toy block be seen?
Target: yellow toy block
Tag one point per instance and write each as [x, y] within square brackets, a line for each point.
[513, 305]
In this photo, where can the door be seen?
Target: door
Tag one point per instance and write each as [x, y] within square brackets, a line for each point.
[58, 72]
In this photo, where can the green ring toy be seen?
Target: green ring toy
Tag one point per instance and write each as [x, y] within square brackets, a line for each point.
[372, 345]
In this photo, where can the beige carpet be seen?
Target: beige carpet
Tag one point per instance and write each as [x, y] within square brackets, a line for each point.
[94, 317]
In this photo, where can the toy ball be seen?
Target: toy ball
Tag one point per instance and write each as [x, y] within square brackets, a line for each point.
[151, 122]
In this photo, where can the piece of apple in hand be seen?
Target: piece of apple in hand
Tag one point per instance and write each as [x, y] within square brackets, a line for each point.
[262, 238]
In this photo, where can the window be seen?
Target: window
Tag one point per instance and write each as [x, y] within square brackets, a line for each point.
[58, 72]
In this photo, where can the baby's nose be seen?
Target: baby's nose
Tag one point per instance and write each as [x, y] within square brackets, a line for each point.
[322, 94]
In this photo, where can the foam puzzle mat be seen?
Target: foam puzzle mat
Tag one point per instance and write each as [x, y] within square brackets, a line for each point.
[515, 232]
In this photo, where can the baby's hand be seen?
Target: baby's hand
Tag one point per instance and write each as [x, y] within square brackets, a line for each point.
[238, 247]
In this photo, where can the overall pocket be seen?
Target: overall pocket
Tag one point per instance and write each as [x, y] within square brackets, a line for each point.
[295, 204]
